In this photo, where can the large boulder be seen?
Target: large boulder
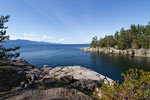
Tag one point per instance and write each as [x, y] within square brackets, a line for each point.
[78, 73]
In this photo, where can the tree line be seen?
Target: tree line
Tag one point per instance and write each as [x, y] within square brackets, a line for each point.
[136, 37]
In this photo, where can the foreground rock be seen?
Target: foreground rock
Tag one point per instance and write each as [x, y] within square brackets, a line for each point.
[52, 94]
[131, 52]
[27, 82]
[78, 73]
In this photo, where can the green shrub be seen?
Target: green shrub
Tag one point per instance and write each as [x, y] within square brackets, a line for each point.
[136, 86]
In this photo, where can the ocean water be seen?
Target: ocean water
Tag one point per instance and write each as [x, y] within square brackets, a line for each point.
[70, 55]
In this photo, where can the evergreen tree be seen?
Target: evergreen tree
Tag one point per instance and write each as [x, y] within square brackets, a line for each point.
[123, 41]
[116, 36]
[94, 42]
[102, 42]
[6, 53]
[111, 41]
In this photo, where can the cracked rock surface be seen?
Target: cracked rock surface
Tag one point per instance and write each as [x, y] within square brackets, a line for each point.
[28, 82]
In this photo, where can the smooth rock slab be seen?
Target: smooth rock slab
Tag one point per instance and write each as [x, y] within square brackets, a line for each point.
[79, 73]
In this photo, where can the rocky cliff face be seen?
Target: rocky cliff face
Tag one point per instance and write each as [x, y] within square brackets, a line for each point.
[47, 83]
[131, 52]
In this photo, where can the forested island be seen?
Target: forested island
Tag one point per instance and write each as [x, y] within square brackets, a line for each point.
[134, 41]
[138, 36]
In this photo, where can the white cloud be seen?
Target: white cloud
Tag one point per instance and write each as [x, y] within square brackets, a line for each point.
[63, 39]
[34, 37]
[29, 34]
[26, 36]
[46, 38]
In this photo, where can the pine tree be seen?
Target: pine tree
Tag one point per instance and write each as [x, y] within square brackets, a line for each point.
[94, 42]
[6, 53]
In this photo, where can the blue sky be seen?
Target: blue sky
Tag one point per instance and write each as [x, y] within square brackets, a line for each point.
[71, 21]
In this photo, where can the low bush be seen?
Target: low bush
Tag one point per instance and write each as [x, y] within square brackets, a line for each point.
[136, 86]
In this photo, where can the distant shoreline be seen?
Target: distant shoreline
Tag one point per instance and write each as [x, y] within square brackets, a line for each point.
[110, 50]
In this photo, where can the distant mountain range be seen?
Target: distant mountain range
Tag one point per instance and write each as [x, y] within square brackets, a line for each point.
[23, 42]
[26, 42]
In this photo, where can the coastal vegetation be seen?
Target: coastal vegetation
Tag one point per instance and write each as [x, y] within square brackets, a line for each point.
[6, 53]
[136, 86]
[138, 36]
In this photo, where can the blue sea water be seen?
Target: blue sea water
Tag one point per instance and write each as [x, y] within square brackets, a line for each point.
[70, 55]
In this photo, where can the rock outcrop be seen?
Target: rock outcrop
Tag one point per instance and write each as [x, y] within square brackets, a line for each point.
[48, 83]
[52, 94]
[78, 73]
[131, 52]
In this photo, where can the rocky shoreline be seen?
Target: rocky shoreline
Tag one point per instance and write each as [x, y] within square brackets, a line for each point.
[48, 83]
[131, 52]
